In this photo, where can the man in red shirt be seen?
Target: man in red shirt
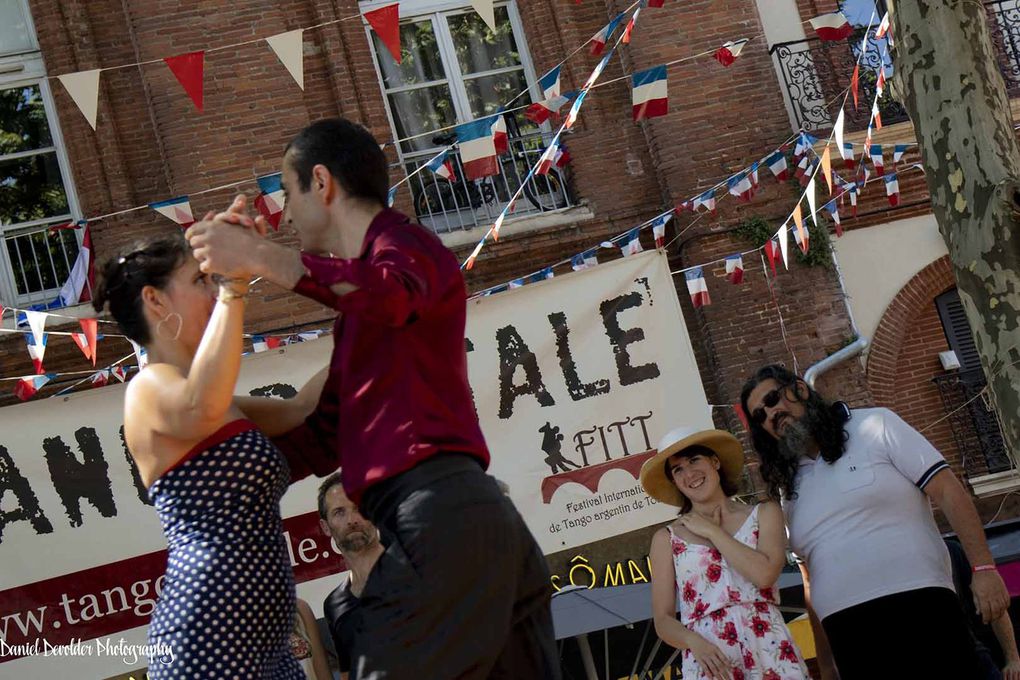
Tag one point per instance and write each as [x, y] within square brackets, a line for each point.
[462, 589]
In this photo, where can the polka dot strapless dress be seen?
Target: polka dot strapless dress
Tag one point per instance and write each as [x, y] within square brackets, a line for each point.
[227, 604]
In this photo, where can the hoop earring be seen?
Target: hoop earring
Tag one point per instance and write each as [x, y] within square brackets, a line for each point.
[180, 324]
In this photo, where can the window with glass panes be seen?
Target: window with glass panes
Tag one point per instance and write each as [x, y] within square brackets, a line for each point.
[453, 69]
[34, 179]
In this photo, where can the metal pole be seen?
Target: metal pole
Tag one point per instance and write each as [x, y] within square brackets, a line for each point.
[586, 657]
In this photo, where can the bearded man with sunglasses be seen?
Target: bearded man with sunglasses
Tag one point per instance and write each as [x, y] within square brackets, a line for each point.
[856, 487]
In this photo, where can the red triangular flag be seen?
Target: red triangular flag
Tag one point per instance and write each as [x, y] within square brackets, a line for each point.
[770, 251]
[742, 416]
[189, 69]
[385, 21]
[90, 327]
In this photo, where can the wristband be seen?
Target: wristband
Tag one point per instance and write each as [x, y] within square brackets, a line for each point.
[232, 289]
[985, 567]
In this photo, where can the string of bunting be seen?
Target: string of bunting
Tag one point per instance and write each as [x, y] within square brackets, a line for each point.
[649, 88]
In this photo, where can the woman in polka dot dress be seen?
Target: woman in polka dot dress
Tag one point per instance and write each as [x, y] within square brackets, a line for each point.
[226, 607]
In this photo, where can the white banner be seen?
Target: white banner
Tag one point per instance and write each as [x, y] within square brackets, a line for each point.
[575, 379]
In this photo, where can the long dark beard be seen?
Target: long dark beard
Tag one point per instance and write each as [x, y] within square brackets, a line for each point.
[796, 441]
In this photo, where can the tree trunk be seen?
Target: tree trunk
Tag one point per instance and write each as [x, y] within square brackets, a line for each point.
[947, 74]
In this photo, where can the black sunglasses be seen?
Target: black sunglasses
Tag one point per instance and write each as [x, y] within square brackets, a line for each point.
[758, 416]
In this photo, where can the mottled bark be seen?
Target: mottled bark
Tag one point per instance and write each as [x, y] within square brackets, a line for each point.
[948, 78]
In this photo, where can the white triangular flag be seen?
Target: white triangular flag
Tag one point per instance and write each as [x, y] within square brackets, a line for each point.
[140, 354]
[811, 198]
[289, 48]
[486, 12]
[84, 90]
[837, 130]
[37, 322]
[783, 245]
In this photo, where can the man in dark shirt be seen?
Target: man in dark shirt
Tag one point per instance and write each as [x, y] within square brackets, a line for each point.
[358, 542]
[995, 642]
[462, 589]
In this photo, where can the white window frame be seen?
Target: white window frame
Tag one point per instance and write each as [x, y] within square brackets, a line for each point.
[435, 9]
[25, 69]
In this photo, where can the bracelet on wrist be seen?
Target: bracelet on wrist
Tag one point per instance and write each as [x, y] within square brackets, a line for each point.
[232, 289]
[984, 567]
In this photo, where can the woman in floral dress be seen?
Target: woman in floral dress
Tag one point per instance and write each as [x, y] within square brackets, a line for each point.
[718, 562]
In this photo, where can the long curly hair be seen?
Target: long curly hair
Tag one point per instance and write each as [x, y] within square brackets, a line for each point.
[824, 420]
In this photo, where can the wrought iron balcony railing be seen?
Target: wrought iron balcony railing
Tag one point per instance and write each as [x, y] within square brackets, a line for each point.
[447, 206]
[974, 423]
[813, 73]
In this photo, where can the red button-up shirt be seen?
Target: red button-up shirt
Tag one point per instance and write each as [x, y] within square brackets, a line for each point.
[397, 391]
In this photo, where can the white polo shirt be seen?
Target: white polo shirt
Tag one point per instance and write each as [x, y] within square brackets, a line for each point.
[864, 524]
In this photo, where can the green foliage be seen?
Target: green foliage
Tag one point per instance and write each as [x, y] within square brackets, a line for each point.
[757, 230]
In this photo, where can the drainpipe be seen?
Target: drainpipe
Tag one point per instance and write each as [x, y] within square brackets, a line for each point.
[833, 360]
[850, 351]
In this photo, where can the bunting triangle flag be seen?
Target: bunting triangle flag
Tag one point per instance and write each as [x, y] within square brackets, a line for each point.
[119, 372]
[892, 189]
[487, 12]
[855, 83]
[883, 27]
[270, 201]
[837, 133]
[176, 209]
[632, 243]
[600, 39]
[83, 87]
[585, 260]
[90, 328]
[834, 213]
[385, 21]
[189, 70]
[442, 166]
[550, 83]
[289, 50]
[649, 94]
[697, 287]
[853, 198]
[264, 343]
[875, 151]
[78, 286]
[735, 268]
[802, 237]
[770, 252]
[656, 3]
[798, 221]
[740, 186]
[516, 283]
[827, 168]
[659, 229]
[630, 27]
[729, 52]
[37, 323]
[783, 245]
[777, 164]
[391, 196]
[37, 350]
[499, 136]
[832, 27]
[27, 387]
[140, 354]
[810, 192]
[478, 148]
[706, 200]
[83, 345]
[848, 155]
[100, 378]
[898, 152]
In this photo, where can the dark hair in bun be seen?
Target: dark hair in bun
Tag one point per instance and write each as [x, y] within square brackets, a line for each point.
[148, 262]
